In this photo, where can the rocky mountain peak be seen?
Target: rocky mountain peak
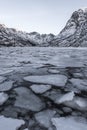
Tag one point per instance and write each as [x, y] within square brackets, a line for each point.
[75, 32]
[79, 16]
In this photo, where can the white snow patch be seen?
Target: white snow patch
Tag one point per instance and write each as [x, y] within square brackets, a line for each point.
[68, 32]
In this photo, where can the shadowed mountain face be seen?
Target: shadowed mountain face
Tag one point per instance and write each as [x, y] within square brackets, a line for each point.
[74, 34]
[12, 37]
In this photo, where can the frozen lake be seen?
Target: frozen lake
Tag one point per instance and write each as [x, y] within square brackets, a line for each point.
[44, 87]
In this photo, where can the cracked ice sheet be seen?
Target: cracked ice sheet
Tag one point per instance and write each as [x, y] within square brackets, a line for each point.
[69, 123]
[9, 123]
[61, 57]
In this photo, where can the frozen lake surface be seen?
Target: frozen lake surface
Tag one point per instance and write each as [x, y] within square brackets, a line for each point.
[43, 87]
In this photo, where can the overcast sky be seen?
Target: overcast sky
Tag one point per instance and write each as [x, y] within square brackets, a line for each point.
[43, 16]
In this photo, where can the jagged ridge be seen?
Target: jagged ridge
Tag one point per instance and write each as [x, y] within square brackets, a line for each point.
[75, 32]
[12, 37]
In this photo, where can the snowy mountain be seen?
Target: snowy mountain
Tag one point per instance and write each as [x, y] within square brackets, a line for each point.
[75, 32]
[12, 37]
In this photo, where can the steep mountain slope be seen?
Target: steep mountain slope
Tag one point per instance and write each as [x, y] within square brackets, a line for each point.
[75, 32]
[12, 37]
[41, 40]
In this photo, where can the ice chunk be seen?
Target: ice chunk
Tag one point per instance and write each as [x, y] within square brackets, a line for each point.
[3, 98]
[40, 88]
[9, 124]
[2, 79]
[81, 102]
[79, 83]
[57, 80]
[6, 86]
[53, 71]
[44, 117]
[67, 97]
[67, 109]
[69, 123]
[27, 100]
[5, 71]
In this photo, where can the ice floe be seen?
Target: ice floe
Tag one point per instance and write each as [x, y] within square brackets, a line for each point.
[69, 123]
[3, 98]
[57, 80]
[67, 97]
[44, 117]
[27, 100]
[6, 86]
[80, 84]
[9, 123]
[2, 79]
[40, 88]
